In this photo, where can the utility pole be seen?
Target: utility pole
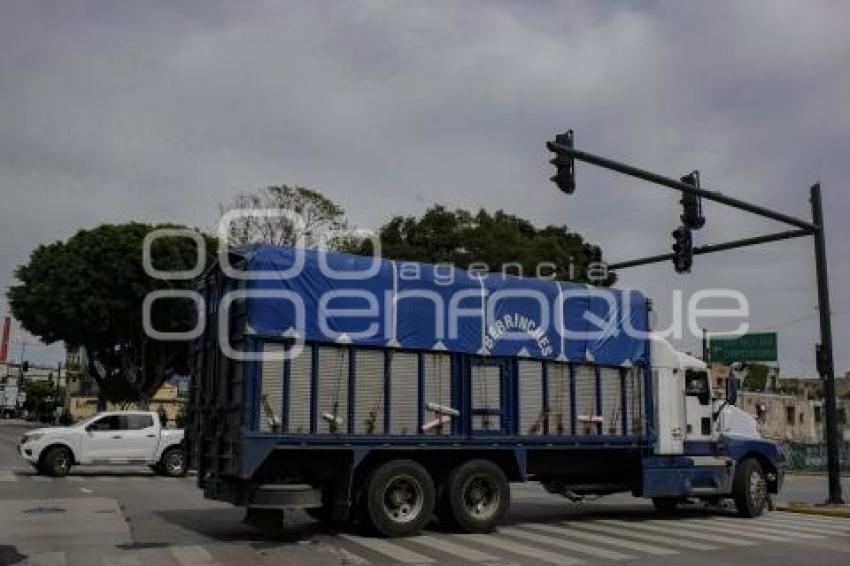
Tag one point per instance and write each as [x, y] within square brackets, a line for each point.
[705, 346]
[825, 363]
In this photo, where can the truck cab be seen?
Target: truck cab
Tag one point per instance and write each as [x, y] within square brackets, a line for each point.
[694, 454]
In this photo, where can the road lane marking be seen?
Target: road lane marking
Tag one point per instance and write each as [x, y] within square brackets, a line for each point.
[702, 524]
[565, 544]
[75, 478]
[463, 552]
[192, 555]
[391, 549]
[41, 478]
[8, 475]
[664, 528]
[494, 541]
[631, 545]
[106, 478]
[620, 532]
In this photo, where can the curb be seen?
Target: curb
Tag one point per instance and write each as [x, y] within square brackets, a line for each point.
[841, 511]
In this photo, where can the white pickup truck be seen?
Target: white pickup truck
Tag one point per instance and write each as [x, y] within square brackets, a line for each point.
[115, 437]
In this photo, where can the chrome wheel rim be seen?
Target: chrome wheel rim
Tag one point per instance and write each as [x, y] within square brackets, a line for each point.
[481, 497]
[403, 498]
[174, 463]
[758, 490]
[61, 463]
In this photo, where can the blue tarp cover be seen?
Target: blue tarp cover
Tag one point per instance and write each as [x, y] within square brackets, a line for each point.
[340, 298]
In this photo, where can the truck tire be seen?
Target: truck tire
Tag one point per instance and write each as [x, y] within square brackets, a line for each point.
[399, 498]
[172, 463]
[749, 489]
[665, 504]
[57, 462]
[474, 497]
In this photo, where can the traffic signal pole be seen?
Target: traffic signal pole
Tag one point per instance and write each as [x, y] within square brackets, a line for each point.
[826, 365]
[814, 228]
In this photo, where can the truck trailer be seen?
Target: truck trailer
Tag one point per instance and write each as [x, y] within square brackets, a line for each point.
[390, 393]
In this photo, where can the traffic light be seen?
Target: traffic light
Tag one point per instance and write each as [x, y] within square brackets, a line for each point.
[682, 249]
[25, 366]
[692, 204]
[564, 176]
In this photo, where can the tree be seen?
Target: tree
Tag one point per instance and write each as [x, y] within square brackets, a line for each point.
[89, 292]
[317, 216]
[756, 379]
[501, 241]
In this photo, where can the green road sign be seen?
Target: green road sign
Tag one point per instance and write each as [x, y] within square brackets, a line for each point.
[746, 348]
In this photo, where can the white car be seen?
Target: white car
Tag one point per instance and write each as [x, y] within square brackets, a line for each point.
[115, 437]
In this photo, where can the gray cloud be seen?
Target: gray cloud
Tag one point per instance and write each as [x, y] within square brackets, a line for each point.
[160, 112]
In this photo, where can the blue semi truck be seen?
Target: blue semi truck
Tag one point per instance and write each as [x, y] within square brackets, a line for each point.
[390, 393]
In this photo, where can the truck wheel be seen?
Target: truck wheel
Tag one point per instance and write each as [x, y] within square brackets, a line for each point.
[665, 504]
[474, 497]
[399, 498]
[750, 489]
[173, 463]
[57, 462]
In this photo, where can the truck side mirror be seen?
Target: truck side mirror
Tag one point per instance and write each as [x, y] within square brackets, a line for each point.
[731, 391]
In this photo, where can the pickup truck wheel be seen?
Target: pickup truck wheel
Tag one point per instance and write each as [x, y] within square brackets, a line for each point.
[750, 489]
[57, 462]
[399, 498]
[474, 497]
[173, 463]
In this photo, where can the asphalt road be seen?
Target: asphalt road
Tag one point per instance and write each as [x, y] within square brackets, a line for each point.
[129, 516]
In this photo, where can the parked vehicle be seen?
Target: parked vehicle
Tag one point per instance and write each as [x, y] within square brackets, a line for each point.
[110, 438]
[390, 392]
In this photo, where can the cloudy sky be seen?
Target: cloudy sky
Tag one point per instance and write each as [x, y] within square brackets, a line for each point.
[158, 111]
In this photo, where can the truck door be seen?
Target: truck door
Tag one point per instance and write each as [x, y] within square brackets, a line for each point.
[698, 405]
[488, 387]
[141, 436]
[669, 393]
[104, 438]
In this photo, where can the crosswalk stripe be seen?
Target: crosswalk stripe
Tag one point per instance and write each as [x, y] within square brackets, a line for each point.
[702, 524]
[106, 478]
[837, 529]
[48, 559]
[665, 528]
[462, 552]
[8, 475]
[520, 549]
[122, 560]
[631, 545]
[659, 539]
[565, 544]
[820, 519]
[753, 525]
[804, 527]
[192, 555]
[41, 478]
[75, 478]
[348, 557]
[391, 549]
